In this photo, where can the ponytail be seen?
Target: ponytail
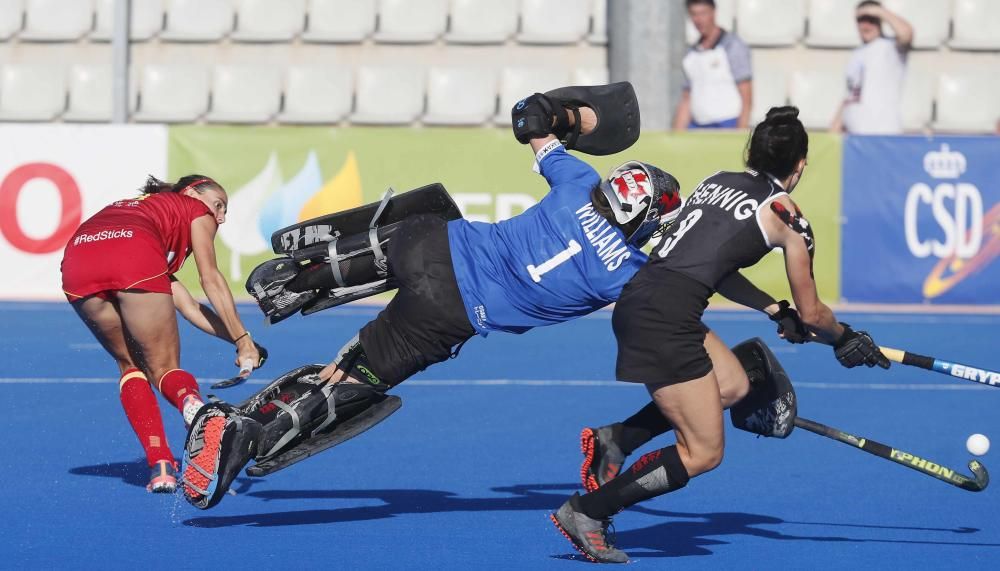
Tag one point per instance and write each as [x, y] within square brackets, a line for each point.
[778, 143]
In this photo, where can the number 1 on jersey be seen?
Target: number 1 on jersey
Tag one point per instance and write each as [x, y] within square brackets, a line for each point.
[538, 271]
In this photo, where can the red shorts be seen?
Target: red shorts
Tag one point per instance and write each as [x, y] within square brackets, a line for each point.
[113, 260]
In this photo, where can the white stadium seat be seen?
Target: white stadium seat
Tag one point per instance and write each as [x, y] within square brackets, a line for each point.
[90, 96]
[411, 21]
[339, 20]
[145, 21]
[172, 93]
[929, 19]
[599, 23]
[554, 21]
[460, 96]
[269, 20]
[11, 17]
[832, 24]
[390, 95]
[57, 20]
[725, 17]
[317, 94]
[198, 20]
[770, 22]
[968, 102]
[590, 76]
[975, 25]
[482, 21]
[918, 100]
[517, 83]
[32, 92]
[244, 94]
[818, 95]
[770, 89]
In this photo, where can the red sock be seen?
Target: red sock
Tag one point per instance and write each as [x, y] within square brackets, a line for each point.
[143, 414]
[176, 384]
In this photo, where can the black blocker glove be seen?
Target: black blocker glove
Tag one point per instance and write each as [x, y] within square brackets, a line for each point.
[856, 348]
[790, 325]
[536, 117]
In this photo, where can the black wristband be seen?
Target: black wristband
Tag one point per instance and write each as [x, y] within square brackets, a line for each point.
[846, 336]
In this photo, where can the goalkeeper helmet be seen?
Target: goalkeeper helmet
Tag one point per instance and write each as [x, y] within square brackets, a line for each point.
[643, 198]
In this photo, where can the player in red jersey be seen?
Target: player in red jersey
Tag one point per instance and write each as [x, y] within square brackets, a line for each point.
[118, 273]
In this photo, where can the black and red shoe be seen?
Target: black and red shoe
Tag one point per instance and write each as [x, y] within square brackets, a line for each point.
[588, 535]
[602, 458]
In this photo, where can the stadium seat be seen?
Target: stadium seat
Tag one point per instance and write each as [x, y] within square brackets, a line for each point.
[818, 95]
[519, 82]
[411, 21]
[339, 20]
[554, 21]
[269, 20]
[460, 96]
[832, 24]
[482, 21]
[390, 95]
[146, 20]
[317, 94]
[32, 92]
[90, 96]
[770, 89]
[599, 23]
[198, 20]
[244, 94]
[57, 20]
[929, 19]
[725, 17]
[11, 17]
[918, 100]
[968, 102]
[975, 25]
[770, 22]
[590, 76]
[172, 93]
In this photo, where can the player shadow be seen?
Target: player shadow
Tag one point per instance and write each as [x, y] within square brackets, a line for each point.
[687, 534]
[136, 473]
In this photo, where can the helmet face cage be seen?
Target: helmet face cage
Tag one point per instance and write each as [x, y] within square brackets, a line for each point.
[637, 189]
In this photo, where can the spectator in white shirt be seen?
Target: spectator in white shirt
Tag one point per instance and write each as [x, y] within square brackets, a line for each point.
[717, 73]
[875, 74]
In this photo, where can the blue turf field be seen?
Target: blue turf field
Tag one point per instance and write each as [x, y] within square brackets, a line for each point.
[465, 474]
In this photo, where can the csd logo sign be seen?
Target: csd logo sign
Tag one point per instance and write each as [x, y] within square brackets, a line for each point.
[957, 210]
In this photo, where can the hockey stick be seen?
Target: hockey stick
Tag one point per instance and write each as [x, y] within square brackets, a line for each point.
[978, 483]
[245, 369]
[958, 370]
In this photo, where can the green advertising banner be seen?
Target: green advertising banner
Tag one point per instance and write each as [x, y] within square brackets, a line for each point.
[277, 176]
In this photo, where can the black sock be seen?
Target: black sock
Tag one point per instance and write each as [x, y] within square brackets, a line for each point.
[652, 475]
[642, 427]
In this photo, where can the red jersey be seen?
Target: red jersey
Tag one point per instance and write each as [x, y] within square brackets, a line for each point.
[131, 244]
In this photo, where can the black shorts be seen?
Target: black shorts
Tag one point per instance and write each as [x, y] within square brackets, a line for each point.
[426, 319]
[657, 321]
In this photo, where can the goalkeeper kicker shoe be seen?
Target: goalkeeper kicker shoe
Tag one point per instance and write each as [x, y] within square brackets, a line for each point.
[267, 285]
[219, 443]
[602, 458]
[163, 478]
[588, 535]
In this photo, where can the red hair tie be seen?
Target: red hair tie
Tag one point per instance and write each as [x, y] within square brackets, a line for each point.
[196, 183]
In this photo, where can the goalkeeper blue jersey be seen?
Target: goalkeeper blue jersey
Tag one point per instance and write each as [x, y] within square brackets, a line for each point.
[554, 262]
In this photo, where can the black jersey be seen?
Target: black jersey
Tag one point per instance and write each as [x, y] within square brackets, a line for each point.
[719, 229]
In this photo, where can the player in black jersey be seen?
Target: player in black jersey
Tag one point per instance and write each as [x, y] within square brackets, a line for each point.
[730, 221]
